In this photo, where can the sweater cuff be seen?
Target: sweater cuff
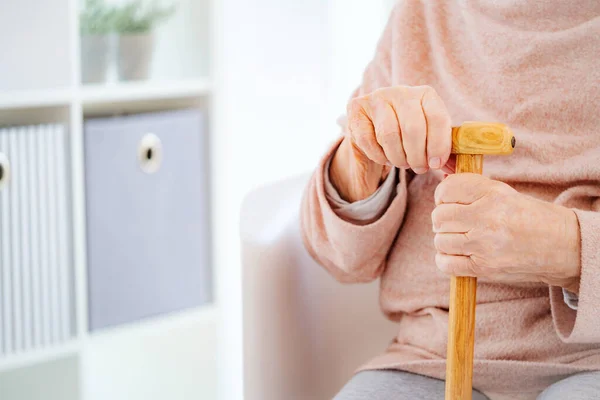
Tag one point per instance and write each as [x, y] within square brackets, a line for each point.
[583, 324]
[369, 209]
[351, 251]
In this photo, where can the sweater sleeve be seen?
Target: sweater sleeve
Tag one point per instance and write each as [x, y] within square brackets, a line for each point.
[351, 250]
[583, 324]
[362, 211]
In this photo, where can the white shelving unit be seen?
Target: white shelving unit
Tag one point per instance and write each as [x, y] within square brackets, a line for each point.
[135, 91]
[35, 98]
[49, 354]
[171, 356]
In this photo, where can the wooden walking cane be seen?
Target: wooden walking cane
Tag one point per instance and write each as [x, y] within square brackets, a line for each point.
[470, 142]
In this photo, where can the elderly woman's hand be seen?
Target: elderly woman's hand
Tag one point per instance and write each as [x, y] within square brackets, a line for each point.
[402, 126]
[487, 229]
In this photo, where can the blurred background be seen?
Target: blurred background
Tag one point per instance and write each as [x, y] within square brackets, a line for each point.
[131, 131]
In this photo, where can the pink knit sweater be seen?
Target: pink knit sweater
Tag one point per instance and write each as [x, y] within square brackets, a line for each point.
[534, 65]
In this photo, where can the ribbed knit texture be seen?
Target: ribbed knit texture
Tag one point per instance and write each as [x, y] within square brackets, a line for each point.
[535, 66]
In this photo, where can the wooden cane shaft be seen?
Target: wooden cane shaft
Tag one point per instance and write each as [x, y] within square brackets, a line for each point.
[461, 338]
[461, 319]
[469, 163]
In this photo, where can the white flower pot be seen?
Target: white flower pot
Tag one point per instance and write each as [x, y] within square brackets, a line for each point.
[135, 56]
[95, 58]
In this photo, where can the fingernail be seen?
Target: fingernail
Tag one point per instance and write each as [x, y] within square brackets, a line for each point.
[389, 164]
[435, 162]
[420, 170]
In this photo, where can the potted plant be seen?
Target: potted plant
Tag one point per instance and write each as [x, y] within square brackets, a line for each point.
[134, 23]
[96, 24]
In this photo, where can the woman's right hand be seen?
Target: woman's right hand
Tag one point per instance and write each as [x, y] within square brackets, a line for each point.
[401, 126]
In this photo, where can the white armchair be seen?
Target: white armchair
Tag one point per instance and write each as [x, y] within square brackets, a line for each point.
[304, 333]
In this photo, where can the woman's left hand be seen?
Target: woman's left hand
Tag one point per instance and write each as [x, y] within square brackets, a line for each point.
[487, 229]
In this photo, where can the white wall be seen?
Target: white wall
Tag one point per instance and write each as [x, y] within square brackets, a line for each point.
[284, 72]
[355, 27]
[29, 40]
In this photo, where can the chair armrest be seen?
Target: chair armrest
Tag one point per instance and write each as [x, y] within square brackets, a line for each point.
[304, 333]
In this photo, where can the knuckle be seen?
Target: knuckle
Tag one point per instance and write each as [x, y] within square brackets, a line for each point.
[440, 192]
[428, 89]
[356, 107]
[435, 218]
[382, 93]
[425, 90]
[500, 188]
[355, 125]
[429, 94]
[483, 188]
[454, 267]
[470, 238]
[474, 268]
[363, 142]
[461, 183]
[353, 105]
[439, 119]
[494, 193]
[442, 264]
[462, 247]
[398, 91]
[438, 243]
[459, 180]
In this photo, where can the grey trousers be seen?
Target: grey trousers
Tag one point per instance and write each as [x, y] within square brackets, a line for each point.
[398, 385]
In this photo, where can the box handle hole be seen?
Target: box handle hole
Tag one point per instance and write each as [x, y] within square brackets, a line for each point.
[4, 170]
[150, 153]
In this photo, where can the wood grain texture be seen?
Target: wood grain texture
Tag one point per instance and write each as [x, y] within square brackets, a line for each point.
[482, 138]
[469, 163]
[470, 142]
[461, 318]
[461, 338]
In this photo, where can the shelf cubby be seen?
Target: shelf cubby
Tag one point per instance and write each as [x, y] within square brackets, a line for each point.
[35, 115]
[32, 358]
[49, 378]
[172, 355]
[127, 98]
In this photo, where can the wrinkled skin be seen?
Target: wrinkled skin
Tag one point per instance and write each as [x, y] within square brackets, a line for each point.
[487, 229]
[483, 228]
[402, 126]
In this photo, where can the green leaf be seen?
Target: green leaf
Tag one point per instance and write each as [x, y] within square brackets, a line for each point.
[134, 17]
[96, 18]
[140, 17]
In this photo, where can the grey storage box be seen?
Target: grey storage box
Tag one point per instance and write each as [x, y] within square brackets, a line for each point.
[147, 216]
